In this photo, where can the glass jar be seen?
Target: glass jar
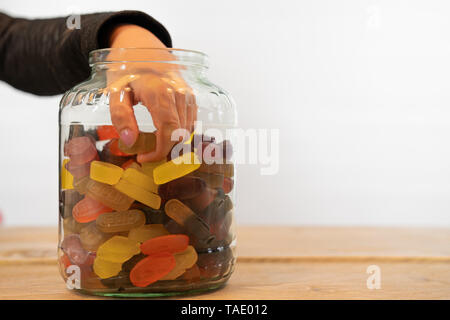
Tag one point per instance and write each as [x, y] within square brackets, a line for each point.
[131, 228]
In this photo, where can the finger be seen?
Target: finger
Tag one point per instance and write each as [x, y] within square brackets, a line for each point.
[122, 115]
[191, 110]
[180, 98]
[161, 104]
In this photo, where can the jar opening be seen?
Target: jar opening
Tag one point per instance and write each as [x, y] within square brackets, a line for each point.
[151, 55]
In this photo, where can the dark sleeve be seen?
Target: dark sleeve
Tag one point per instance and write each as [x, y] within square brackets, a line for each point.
[44, 57]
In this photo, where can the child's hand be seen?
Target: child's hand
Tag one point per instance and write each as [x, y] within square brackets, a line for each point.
[162, 90]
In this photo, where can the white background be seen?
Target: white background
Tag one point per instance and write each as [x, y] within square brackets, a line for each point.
[359, 90]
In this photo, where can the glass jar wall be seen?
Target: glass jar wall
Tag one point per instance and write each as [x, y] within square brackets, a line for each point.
[130, 227]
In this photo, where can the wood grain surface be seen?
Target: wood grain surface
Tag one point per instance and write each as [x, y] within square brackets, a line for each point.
[273, 263]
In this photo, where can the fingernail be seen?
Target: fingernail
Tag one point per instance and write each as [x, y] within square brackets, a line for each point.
[128, 137]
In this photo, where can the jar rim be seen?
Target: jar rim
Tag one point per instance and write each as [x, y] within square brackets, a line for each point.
[117, 55]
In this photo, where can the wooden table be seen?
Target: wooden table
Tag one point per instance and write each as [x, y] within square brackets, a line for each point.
[273, 263]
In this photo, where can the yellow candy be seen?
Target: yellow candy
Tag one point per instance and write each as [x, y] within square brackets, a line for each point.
[148, 167]
[105, 172]
[118, 249]
[148, 231]
[184, 260]
[66, 176]
[176, 168]
[146, 197]
[140, 179]
[106, 269]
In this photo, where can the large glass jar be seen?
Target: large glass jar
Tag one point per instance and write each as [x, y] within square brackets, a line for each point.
[132, 228]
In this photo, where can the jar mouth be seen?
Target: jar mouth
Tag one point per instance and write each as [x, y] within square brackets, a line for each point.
[148, 55]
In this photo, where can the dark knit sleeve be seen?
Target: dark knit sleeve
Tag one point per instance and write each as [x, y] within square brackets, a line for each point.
[45, 57]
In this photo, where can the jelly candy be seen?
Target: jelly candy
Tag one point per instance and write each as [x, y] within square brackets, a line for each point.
[71, 226]
[192, 274]
[71, 246]
[184, 260]
[80, 184]
[152, 268]
[76, 130]
[120, 221]
[186, 218]
[131, 164]
[128, 265]
[91, 237]
[227, 169]
[213, 180]
[81, 150]
[109, 154]
[106, 269]
[107, 132]
[148, 167]
[148, 231]
[212, 264]
[134, 192]
[69, 198]
[217, 209]
[140, 179]
[88, 210]
[156, 216]
[108, 195]
[105, 172]
[182, 188]
[146, 142]
[80, 170]
[176, 168]
[66, 176]
[172, 243]
[200, 202]
[228, 184]
[118, 249]
[222, 227]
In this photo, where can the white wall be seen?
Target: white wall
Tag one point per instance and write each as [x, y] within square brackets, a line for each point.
[359, 90]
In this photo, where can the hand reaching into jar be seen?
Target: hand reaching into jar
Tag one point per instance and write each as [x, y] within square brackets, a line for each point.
[159, 86]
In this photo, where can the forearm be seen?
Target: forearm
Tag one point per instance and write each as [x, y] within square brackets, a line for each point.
[44, 57]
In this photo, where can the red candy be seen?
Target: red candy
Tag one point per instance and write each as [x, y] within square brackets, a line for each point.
[152, 268]
[172, 243]
[80, 150]
[80, 170]
[228, 184]
[107, 132]
[88, 210]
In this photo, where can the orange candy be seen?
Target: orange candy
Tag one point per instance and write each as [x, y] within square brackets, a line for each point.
[114, 148]
[152, 268]
[88, 210]
[172, 243]
[107, 132]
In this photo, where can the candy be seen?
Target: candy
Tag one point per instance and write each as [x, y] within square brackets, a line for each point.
[66, 176]
[69, 198]
[76, 130]
[71, 226]
[217, 209]
[212, 264]
[204, 199]
[148, 167]
[91, 237]
[176, 168]
[192, 274]
[81, 150]
[134, 192]
[140, 180]
[184, 260]
[105, 172]
[78, 171]
[118, 249]
[213, 180]
[108, 195]
[107, 132]
[182, 188]
[80, 184]
[151, 215]
[110, 151]
[152, 268]
[71, 246]
[88, 210]
[172, 243]
[146, 232]
[186, 218]
[146, 142]
[131, 164]
[119, 281]
[128, 265]
[106, 269]
[120, 221]
[228, 184]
